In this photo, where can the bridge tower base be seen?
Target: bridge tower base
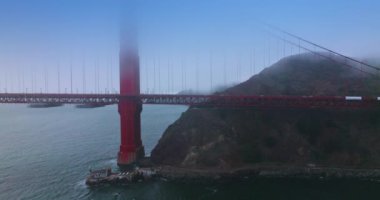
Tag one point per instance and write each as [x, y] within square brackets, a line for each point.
[131, 148]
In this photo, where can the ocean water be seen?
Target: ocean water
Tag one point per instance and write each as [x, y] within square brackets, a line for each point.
[45, 153]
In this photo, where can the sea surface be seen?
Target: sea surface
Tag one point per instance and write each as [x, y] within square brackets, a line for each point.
[46, 153]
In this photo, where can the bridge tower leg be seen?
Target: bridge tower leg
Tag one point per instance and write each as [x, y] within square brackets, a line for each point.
[131, 148]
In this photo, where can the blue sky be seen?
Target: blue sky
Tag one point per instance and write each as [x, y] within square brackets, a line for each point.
[38, 37]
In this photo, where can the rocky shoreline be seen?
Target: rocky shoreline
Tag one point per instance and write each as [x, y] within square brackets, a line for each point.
[172, 173]
[148, 171]
[265, 171]
[262, 170]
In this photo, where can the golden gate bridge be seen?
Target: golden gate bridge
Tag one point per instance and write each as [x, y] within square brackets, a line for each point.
[130, 99]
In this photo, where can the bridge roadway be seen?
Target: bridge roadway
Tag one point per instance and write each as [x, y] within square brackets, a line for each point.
[260, 101]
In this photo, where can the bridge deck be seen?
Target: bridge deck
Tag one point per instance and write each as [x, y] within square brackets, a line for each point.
[197, 100]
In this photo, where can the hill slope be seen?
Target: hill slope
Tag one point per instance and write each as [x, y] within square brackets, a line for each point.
[229, 138]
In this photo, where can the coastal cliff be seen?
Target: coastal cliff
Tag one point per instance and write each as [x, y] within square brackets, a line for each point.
[225, 138]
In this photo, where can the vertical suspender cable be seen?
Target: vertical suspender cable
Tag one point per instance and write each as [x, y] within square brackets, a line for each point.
[182, 83]
[299, 47]
[250, 64]
[184, 74]
[269, 54]
[154, 75]
[172, 68]
[84, 75]
[106, 65]
[45, 73]
[254, 61]
[111, 74]
[71, 77]
[59, 79]
[147, 77]
[23, 81]
[6, 82]
[278, 49]
[211, 72]
[159, 75]
[95, 87]
[224, 71]
[18, 81]
[168, 76]
[197, 73]
[97, 76]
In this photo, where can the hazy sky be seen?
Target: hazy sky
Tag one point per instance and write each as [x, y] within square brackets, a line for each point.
[177, 40]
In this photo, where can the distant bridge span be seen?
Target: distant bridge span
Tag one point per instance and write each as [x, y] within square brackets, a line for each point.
[258, 101]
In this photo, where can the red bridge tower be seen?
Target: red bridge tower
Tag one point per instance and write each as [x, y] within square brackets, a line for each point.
[131, 148]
